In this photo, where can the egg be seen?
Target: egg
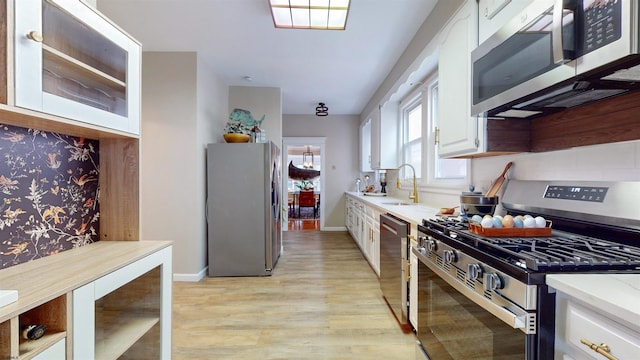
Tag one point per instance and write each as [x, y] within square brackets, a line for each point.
[540, 222]
[476, 218]
[529, 222]
[497, 217]
[487, 222]
[520, 217]
[487, 216]
[497, 222]
[517, 222]
[507, 221]
[527, 216]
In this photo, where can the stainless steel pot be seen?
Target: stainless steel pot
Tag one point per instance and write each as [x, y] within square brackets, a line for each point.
[477, 204]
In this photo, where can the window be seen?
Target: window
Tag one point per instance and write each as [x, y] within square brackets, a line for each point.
[442, 171]
[419, 123]
[412, 134]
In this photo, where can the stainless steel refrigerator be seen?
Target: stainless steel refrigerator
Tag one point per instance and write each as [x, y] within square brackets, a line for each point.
[243, 208]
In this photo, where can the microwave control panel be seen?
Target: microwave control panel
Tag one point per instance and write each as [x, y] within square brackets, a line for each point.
[602, 23]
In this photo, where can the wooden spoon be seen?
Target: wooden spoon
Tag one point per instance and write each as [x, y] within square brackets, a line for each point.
[493, 190]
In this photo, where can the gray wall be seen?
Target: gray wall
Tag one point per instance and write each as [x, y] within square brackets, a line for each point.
[260, 101]
[341, 157]
[184, 107]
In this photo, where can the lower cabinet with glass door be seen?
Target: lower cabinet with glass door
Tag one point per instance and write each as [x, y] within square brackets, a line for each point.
[106, 300]
[125, 314]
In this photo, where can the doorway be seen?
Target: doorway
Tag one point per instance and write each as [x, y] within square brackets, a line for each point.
[306, 154]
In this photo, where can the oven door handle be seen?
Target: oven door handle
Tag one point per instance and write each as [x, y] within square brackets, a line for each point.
[513, 315]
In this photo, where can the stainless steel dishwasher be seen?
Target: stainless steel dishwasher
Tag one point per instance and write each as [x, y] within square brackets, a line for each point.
[394, 252]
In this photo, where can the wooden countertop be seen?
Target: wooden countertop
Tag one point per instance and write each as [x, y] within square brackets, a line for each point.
[41, 280]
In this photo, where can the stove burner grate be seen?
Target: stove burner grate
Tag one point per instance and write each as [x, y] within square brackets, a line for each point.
[561, 252]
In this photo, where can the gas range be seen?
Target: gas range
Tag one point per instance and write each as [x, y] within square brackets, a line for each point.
[595, 229]
[607, 238]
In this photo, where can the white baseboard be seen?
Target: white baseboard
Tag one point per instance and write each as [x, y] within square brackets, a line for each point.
[334, 228]
[191, 277]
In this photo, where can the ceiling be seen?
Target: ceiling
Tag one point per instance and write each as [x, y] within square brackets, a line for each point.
[237, 38]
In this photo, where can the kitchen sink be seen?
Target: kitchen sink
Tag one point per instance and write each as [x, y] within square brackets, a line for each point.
[396, 203]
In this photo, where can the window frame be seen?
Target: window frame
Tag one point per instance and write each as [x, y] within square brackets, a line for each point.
[426, 96]
[408, 104]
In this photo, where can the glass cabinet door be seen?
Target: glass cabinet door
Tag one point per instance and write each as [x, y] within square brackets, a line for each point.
[72, 62]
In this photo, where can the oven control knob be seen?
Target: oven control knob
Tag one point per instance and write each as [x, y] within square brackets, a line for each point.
[422, 240]
[432, 245]
[492, 281]
[450, 256]
[474, 272]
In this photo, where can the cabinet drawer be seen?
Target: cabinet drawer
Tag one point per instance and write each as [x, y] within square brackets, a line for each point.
[54, 352]
[583, 323]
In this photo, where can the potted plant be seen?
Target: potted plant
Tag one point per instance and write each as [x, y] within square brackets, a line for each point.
[237, 131]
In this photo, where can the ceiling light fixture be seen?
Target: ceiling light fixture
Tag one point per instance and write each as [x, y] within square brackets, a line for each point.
[322, 110]
[305, 157]
[310, 14]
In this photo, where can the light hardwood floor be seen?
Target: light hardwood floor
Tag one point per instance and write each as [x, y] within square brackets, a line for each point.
[322, 302]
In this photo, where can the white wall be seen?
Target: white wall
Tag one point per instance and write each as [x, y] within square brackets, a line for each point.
[184, 107]
[341, 157]
[610, 162]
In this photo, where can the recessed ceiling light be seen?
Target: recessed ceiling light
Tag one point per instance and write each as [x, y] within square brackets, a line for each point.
[310, 14]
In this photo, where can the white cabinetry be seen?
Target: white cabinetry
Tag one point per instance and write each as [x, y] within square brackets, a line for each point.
[365, 146]
[384, 136]
[372, 238]
[54, 352]
[597, 309]
[70, 61]
[459, 133]
[579, 324]
[363, 223]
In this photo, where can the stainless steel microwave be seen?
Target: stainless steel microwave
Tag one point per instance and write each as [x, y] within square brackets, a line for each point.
[557, 54]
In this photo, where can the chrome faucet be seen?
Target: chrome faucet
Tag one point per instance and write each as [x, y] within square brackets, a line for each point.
[413, 196]
[357, 185]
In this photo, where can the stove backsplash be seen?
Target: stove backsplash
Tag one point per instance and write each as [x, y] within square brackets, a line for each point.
[49, 186]
[608, 162]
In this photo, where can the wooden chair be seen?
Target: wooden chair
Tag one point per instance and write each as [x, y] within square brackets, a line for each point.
[306, 198]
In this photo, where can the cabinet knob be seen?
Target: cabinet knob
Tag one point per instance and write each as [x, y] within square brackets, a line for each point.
[35, 36]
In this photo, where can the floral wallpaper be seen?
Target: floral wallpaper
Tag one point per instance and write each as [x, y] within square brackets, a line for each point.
[49, 191]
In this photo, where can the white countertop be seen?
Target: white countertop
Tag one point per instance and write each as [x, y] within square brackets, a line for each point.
[615, 294]
[413, 213]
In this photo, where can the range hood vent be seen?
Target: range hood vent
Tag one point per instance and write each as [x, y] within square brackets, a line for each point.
[572, 93]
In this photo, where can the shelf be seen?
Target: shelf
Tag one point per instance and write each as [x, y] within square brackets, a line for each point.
[62, 61]
[31, 348]
[120, 332]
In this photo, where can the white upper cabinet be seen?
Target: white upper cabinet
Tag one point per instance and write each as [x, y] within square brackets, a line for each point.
[460, 134]
[70, 61]
[365, 146]
[384, 136]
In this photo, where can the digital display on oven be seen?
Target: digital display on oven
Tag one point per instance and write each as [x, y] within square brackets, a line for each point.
[580, 193]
